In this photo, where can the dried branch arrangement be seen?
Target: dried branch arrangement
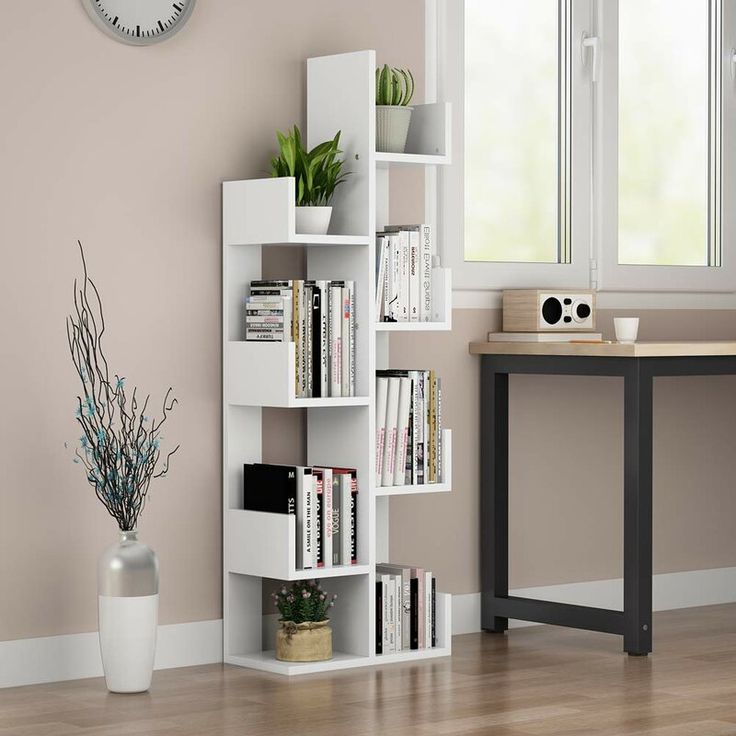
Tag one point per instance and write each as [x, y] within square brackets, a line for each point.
[120, 444]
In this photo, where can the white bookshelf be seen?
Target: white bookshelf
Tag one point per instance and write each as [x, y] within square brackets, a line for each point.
[260, 213]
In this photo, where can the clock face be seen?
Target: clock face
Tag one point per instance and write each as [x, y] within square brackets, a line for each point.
[139, 22]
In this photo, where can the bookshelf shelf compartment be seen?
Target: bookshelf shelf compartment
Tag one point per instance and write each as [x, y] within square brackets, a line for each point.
[263, 374]
[264, 545]
[443, 487]
[262, 212]
[267, 662]
[428, 141]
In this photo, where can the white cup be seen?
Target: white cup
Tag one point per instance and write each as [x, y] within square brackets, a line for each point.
[626, 329]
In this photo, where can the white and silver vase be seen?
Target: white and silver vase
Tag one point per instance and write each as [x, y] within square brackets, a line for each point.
[127, 585]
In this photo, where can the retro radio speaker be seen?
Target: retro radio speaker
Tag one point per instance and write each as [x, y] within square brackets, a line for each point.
[548, 310]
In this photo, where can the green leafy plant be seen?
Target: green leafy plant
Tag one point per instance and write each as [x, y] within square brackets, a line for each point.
[317, 172]
[394, 86]
[303, 601]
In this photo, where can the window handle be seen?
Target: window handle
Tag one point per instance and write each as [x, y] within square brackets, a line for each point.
[591, 42]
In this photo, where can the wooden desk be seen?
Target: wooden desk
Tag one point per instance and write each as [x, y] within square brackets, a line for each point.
[638, 365]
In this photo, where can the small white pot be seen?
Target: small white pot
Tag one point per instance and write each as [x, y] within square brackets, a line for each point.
[313, 220]
[392, 127]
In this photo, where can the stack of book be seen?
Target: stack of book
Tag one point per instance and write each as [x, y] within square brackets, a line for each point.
[408, 427]
[324, 501]
[404, 273]
[319, 316]
[405, 608]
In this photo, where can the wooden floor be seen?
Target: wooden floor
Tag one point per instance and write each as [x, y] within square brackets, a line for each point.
[533, 681]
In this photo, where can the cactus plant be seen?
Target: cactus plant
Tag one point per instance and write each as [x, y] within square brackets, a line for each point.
[394, 87]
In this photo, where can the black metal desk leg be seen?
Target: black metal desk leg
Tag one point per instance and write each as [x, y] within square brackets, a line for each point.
[637, 510]
[494, 494]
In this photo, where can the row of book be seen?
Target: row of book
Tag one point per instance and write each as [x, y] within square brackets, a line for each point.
[324, 501]
[319, 317]
[408, 427]
[405, 608]
[404, 273]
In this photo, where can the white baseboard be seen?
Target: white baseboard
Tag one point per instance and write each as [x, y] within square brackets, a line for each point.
[669, 591]
[76, 656]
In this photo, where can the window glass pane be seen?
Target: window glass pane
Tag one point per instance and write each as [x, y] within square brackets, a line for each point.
[663, 132]
[511, 130]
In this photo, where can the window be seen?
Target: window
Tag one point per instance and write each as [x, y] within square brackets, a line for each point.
[606, 163]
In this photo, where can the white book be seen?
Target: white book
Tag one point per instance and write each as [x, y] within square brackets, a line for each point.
[335, 340]
[440, 469]
[387, 276]
[425, 314]
[391, 610]
[425, 416]
[402, 430]
[542, 336]
[404, 276]
[346, 500]
[351, 337]
[398, 613]
[345, 343]
[394, 312]
[327, 516]
[380, 274]
[414, 276]
[392, 416]
[304, 517]
[324, 347]
[302, 340]
[385, 580]
[428, 609]
[381, 401]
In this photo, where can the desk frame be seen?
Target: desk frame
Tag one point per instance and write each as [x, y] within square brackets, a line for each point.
[634, 623]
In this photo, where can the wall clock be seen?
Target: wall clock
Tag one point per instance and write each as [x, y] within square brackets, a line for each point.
[139, 22]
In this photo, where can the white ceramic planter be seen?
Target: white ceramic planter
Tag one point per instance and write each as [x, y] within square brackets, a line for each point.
[392, 127]
[313, 220]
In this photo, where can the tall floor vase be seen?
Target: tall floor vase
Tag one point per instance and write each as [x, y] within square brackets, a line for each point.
[127, 584]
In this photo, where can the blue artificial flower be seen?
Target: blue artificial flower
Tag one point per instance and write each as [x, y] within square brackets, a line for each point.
[119, 384]
[83, 441]
[101, 436]
[90, 405]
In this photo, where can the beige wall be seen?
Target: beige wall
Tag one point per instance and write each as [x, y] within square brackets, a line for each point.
[125, 148]
[566, 463]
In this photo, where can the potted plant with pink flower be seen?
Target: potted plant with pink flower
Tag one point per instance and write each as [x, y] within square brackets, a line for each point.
[305, 634]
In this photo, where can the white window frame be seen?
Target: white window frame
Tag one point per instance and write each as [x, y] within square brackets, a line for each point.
[594, 236]
[615, 276]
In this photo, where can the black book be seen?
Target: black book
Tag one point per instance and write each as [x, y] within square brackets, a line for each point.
[271, 488]
[316, 316]
[414, 618]
[379, 617]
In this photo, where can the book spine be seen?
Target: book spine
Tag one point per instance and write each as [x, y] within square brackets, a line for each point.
[420, 607]
[434, 612]
[307, 519]
[345, 519]
[425, 420]
[345, 343]
[414, 276]
[402, 431]
[302, 343]
[308, 348]
[426, 274]
[404, 276]
[440, 469]
[380, 275]
[389, 452]
[351, 333]
[394, 302]
[327, 516]
[391, 610]
[381, 400]
[335, 341]
[353, 519]
[417, 476]
[406, 609]
[397, 610]
[316, 361]
[336, 520]
[387, 280]
[432, 427]
[386, 624]
[414, 621]
[428, 609]
[319, 509]
[379, 617]
[324, 345]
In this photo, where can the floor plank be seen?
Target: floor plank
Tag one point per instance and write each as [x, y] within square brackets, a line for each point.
[540, 681]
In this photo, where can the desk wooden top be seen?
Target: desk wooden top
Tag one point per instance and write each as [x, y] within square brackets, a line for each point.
[607, 350]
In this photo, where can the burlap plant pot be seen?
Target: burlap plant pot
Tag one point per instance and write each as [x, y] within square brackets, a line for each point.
[310, 641]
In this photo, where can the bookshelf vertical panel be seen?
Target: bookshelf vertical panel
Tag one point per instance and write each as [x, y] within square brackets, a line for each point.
[341, 96]
[243, 612]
